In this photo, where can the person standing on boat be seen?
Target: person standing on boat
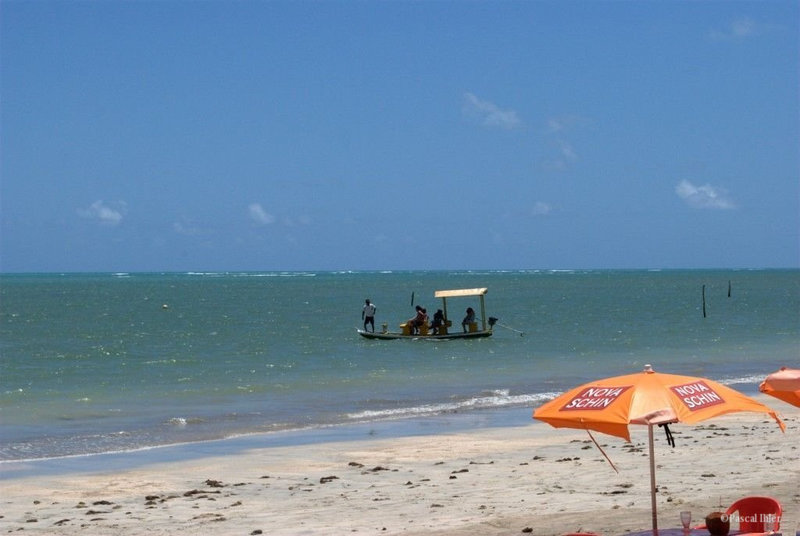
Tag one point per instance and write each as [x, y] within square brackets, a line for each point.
[368, 314]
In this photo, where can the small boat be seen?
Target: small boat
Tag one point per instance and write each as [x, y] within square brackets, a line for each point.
[445, 330]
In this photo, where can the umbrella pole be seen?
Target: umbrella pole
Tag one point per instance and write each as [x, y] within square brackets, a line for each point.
[652, 479]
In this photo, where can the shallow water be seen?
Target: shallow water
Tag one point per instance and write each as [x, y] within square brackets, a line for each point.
[95, 363]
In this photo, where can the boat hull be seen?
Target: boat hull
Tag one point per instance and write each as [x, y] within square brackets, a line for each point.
[457, 335]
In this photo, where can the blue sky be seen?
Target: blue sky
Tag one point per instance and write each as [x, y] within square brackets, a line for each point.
[172, 136]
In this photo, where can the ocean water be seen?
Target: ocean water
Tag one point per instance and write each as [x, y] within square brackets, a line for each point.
[94, 363]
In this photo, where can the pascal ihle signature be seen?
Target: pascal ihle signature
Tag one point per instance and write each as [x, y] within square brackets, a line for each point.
[752, 518]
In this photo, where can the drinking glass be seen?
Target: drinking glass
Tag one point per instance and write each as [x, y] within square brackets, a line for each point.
[686, 519]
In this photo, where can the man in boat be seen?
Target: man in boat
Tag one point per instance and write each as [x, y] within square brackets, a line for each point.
[368, 314]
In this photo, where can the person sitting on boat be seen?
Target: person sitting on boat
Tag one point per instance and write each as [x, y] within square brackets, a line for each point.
[438, 321]
[469, 319]
[420, 319]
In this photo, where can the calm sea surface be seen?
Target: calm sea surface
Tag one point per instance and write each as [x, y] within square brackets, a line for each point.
[94, 363]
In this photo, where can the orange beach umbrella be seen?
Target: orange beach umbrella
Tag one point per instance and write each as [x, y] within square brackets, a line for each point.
[783, 384]
[648, 397]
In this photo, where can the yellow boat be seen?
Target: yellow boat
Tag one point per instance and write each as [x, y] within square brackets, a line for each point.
[481, 327]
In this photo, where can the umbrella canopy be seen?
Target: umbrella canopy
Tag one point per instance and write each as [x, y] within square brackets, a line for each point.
[648, 397]
[783, 384]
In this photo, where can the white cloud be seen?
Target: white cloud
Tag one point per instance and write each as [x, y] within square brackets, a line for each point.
[566, 122]
[259, 215]
[489, 114]
[705, 196]
[742, 28]
[561, 156]
[103, 213]
[185, 228]
[541, 209]
[567, 150]
[554, 124]
[562, 153]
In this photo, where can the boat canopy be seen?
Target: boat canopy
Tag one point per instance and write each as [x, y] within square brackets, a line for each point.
[460, 292]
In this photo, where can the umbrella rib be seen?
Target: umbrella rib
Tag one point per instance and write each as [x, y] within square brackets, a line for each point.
[596, 444]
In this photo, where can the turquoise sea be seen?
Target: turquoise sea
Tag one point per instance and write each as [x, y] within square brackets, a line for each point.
[96, 363]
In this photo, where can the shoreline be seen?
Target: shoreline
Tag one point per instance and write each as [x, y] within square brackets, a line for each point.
[477, 479]
[343, 432]
[399, 426]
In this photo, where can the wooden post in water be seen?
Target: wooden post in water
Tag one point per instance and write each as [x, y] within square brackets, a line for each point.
[704, 301]
[729, 288]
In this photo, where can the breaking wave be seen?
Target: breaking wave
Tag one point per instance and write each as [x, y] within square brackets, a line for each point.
[492, 400]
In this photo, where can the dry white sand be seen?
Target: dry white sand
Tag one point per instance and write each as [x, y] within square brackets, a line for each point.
[529, 479]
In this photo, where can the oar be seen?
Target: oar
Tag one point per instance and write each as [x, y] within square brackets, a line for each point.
[412, 298]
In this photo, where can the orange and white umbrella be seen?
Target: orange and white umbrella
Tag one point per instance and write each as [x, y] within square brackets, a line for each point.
[650, 398]
[783, 384]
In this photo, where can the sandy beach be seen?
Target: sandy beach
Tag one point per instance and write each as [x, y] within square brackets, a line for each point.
[528, 479]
